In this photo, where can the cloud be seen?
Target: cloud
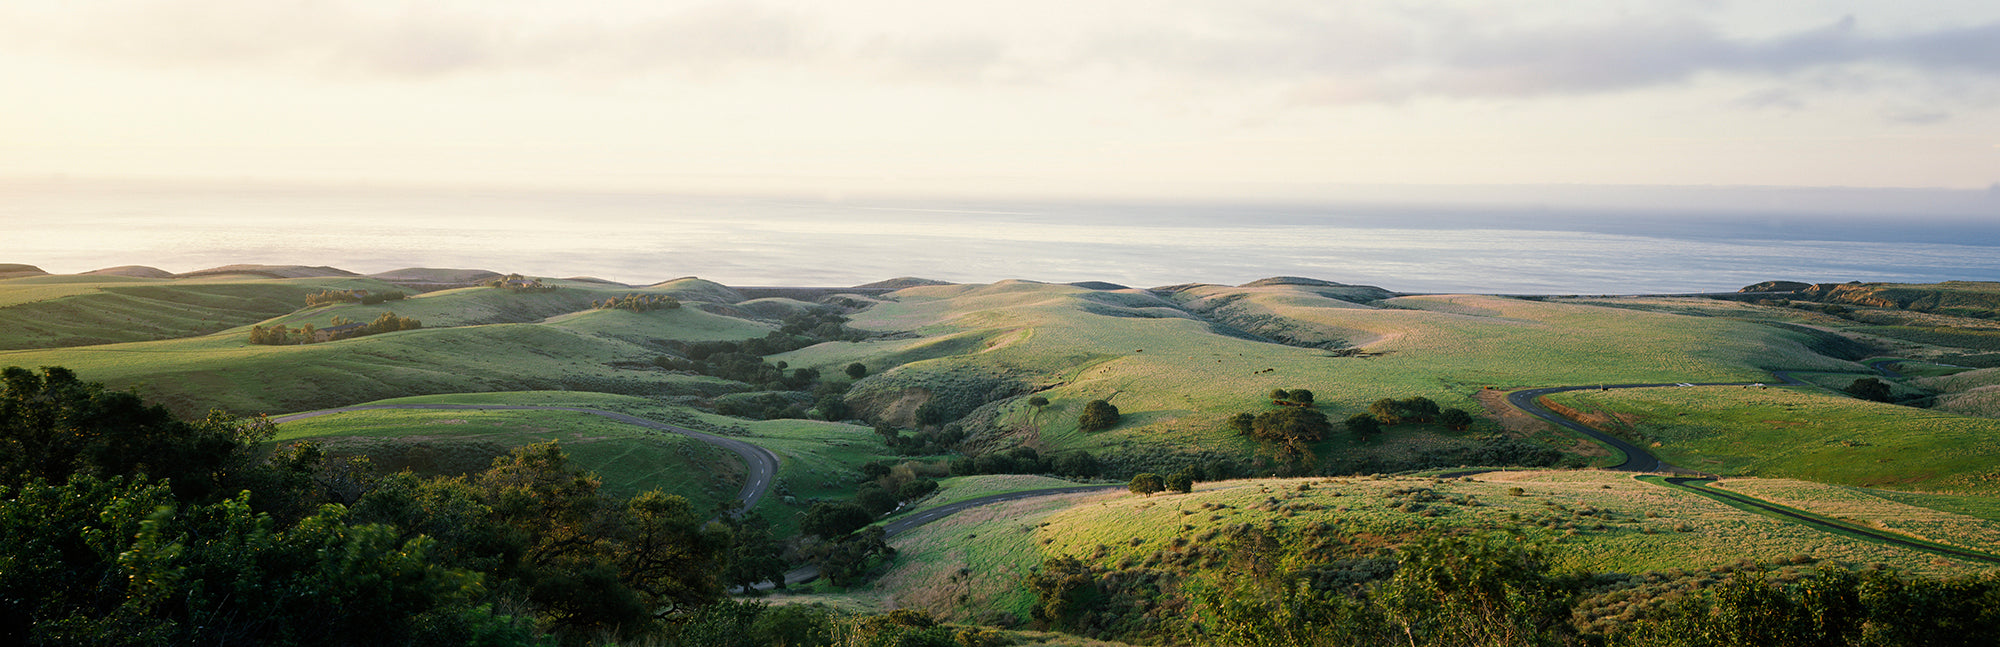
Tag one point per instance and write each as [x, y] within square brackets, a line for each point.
[1325, 52]
[1916, 116]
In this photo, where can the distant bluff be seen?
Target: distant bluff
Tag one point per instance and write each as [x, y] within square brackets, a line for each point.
[1963, 298]
[17, 270]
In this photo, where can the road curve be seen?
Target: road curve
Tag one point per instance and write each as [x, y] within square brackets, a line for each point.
[1636, 458]
[761, 465]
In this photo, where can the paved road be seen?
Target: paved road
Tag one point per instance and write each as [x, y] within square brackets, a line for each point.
[762, 465]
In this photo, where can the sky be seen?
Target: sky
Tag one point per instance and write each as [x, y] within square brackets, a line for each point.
[1111, 98]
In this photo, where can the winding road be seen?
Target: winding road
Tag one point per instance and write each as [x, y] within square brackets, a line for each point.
[761, 465]
[1636, 458]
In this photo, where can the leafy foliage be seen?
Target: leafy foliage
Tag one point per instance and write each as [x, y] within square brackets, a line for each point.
[1146, 483]
[639, 303]
[1097, 415]
[1869, 389]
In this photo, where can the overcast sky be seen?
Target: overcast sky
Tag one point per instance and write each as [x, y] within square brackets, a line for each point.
[1100, 97]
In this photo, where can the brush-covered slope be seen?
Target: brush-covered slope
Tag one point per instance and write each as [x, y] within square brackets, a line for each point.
[973, 563]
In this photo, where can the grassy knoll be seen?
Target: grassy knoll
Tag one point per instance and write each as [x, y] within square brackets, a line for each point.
[1811, 435]
[1592, 521]
[629, 459]
[58, 311]
[1177, 376]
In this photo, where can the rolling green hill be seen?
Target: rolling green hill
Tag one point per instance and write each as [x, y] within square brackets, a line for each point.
[1177, 366]
[63, 310]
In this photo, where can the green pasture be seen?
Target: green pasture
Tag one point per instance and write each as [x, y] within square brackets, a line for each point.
[1590, 520]
[1799, 434]
[60, 311]
[627, 458]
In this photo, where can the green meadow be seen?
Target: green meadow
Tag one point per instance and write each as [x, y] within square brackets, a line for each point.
[1802, 434]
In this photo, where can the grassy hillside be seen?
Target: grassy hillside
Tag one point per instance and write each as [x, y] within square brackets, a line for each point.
[1177, 374]
[629, 459]
[59, 311]
[1592, 521]
[474, 339]
[1802, 434]
[224, 371]
[816, 460]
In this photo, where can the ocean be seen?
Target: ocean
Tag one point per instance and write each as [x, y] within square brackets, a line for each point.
[637, 238]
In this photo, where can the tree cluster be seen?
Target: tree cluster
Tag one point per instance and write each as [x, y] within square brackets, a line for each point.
[920, 442]
[1870, 389]
[1286, 425]
[1025, 460]
[638, 303]
[1414, 409]
[1292, 398]
[518, 283]
[120, 524]
[823, 324]
[279, 335]
[363, 297]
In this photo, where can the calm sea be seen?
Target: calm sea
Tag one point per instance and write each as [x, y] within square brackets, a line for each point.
[639, 239]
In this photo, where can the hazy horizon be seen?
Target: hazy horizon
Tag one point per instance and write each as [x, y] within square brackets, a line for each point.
[1123, 140]
[1591, 241]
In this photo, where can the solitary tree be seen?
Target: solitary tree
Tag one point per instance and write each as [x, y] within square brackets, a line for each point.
[1181, 481]
[1302, 397]
[857, 370]
[1147, 483]
[1038, 402]
[1455, 419]
[1870, 389]
[1097, 415]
